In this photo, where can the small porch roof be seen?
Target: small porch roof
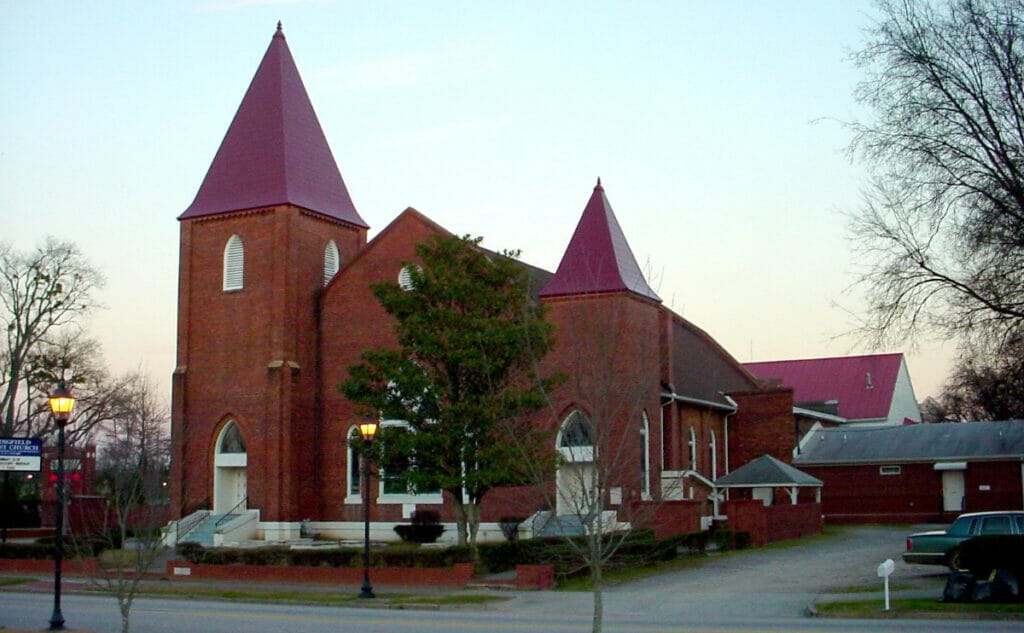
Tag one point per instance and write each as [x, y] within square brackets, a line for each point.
[767, 472]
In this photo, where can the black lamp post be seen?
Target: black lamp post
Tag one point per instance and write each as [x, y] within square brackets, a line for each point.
[62, 403]
[367, 430]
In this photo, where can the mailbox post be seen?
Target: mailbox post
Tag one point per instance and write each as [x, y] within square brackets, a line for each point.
[884, 571]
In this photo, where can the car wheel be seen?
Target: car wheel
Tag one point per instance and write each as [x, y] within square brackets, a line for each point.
[953, 559]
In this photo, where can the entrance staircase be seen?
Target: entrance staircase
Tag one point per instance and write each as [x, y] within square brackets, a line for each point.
[203, 532]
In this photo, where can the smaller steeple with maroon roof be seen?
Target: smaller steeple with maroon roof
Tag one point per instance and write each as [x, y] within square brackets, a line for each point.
[598, 258]
[275, 151]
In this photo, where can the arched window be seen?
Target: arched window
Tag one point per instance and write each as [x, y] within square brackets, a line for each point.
[645, 447]
[354, 472]
[576, 431]
[234, 264]
[576, 440]
[231, 439]
[693, 449]
[332, 261]
[712, 449]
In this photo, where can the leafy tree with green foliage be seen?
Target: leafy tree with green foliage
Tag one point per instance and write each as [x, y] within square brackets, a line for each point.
[463, 378]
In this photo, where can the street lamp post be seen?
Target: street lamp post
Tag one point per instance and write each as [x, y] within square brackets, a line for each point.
[62, 403]
[367, 430]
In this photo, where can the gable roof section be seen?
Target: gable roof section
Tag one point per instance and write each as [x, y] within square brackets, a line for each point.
[766, 471]
[538, 276]
[915, 442]
[598, 258]
[701, 368]
[863, 385]
[275, 151]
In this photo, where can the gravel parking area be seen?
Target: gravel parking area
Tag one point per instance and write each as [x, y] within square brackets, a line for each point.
[777, 581]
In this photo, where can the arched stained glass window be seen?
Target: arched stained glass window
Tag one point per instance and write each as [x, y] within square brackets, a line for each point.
[231, 439]
[576, 431]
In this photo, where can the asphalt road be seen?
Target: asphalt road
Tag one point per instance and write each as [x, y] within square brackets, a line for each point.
[99, 615]
[758, 590]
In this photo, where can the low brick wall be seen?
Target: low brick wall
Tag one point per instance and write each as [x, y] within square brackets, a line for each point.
[85, 566]
[767, 524]
[459, 575]
[670, 518]
[535, 577]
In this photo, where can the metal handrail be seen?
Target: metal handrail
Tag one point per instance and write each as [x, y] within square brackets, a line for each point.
[230, 513]
[190, 522]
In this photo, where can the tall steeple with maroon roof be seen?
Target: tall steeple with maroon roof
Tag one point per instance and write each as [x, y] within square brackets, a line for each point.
[598, 258]
[275, 151]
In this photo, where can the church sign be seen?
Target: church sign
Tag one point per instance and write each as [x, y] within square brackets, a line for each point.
[24, 455]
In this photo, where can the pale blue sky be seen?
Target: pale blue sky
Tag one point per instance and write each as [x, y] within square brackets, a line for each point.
[711, 124]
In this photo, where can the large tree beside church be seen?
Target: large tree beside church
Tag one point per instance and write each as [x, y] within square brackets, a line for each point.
[942, 227]
[463, 376]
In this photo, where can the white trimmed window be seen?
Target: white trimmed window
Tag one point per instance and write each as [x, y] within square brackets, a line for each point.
[645, 448]
[713, 454]
[332, 261]
[889, 470]
[693, 449]
[576, 440]
[354, 491]
[234, 264]
[391, 489]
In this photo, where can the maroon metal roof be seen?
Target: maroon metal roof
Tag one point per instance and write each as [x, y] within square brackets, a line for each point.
[275, 151]
[598, 258]
[863, 385]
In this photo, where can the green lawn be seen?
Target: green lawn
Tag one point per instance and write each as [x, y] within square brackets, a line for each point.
[923, 608]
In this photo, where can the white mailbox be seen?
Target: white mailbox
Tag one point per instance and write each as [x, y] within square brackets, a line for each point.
[886, 568]
[884, 571]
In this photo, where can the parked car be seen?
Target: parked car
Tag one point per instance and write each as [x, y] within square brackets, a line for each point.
[942, 547]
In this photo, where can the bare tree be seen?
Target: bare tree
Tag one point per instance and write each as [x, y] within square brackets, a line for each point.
[942, 229]
[41, 293]
[986, 386]
[134, 462]
[602, 491]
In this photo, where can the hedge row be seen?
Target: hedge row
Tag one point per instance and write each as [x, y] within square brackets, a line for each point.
[636, 549]
[42, 548]
[396, 556]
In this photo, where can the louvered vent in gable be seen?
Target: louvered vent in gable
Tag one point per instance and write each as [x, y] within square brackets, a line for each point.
[405, 278]
[332, 261]
[234, 264]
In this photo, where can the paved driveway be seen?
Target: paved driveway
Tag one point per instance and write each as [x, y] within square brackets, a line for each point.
[757, 583]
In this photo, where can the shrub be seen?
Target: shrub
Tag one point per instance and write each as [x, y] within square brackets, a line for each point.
[425, 527]
[23, 551]
[510, 527]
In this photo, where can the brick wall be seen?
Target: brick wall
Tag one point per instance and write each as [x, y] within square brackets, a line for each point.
[763, 425]
[250, 355]
[862, 494]
[767, 524]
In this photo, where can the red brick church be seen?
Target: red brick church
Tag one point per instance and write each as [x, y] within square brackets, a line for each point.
[274, 306]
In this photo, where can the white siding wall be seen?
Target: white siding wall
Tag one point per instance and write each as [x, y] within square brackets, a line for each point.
[904, 403]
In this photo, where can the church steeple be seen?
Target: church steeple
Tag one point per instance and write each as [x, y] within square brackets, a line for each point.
[275, 151]
[598, 258]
